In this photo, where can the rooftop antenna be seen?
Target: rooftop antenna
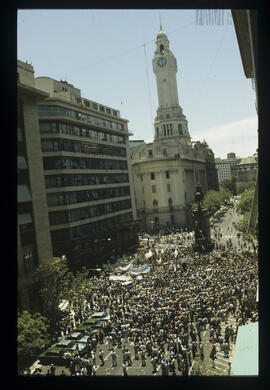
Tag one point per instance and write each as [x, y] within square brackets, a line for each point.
[160, 21]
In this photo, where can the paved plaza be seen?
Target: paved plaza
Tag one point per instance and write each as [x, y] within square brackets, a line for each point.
[192, 321]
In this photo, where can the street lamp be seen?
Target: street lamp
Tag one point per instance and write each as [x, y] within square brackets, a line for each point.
[201, 223]
[199, 195]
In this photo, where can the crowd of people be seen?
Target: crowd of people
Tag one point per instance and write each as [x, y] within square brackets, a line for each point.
[165, 312]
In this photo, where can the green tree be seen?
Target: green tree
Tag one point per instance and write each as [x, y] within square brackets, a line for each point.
[214, 200]
[32, 336]
[229, 185]
[55, 281]
[80, 283]
[244, 185]
[242, 225]
[245, 203]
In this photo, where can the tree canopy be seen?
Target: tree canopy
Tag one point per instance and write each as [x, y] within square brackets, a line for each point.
[213, 200]
[32, 335]
[243, 223]
[55, 281]
[244, 185]
[229, 185]
[245, 202]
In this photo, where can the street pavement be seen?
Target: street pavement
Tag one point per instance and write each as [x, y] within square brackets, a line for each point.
[221, 363]
[136, 369]
[228, 230]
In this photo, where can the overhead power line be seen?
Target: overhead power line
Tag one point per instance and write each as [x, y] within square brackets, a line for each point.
[148, 87]
[125, 52]
[210, 68]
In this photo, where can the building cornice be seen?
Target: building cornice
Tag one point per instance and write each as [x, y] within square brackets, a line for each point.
[31, 91]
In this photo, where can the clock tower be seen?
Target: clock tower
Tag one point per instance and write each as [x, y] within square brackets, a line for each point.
[170, 121]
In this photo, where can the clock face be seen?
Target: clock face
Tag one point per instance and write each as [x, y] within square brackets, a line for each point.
[161, 61]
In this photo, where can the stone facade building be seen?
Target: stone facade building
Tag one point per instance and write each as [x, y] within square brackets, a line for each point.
[247, 168]
[227, 167]
[167, 169]
[33, 230]
[87, 171]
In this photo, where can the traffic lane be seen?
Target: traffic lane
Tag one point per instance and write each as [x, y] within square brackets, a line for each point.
[231, 233]
[228, 220]
[134, 369]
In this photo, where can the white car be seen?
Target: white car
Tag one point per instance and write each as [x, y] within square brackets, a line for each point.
[100, 315]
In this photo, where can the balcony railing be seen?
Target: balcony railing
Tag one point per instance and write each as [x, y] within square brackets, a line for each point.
[158, 210]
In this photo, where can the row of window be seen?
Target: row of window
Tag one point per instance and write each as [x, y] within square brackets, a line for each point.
[155, 203]
[152, 175]
[19, 135]
[69, 129]
[167, 129]
[29, 262]
[156, 220]
[63, 198]
[104, 226]
[61, 111]
[52, 181]
[68, 216]
[95, 106]
[57, 145]
[61, 162]
[164, 152]
[154, 188]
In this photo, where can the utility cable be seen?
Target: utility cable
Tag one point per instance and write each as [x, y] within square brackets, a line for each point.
[123, 53]
[210, 69]
[148, 86]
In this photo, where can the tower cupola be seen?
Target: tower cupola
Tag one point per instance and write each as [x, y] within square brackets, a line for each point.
[170, 121]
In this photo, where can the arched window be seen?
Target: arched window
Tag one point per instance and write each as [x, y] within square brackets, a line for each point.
[180, 129]
[161, 48]
[170, 203]
[155, 204]
[157, 132]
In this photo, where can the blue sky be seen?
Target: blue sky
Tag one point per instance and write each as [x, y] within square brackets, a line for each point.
[102, 53]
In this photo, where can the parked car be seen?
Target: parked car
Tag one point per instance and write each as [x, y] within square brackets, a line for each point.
[85, 329]
[70, 345]
[74, 336]
[97, 319]
[79, 337]
[94, 323]
[53, 355]
[84, 339]
[100, 315]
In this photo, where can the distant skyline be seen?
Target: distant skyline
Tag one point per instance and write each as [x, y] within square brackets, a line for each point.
[107, 54]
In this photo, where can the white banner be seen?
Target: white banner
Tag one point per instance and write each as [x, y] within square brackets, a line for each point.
[142, 270]
[121, 278]
[127, 267]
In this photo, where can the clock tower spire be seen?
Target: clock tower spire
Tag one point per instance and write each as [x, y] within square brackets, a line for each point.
[170, 121]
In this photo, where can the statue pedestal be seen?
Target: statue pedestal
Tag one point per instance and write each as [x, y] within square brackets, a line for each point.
[203, 242]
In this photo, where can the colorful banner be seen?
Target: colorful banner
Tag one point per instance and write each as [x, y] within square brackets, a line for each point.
[142, 270]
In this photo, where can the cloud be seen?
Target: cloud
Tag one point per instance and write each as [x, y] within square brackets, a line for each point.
[240, 137]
